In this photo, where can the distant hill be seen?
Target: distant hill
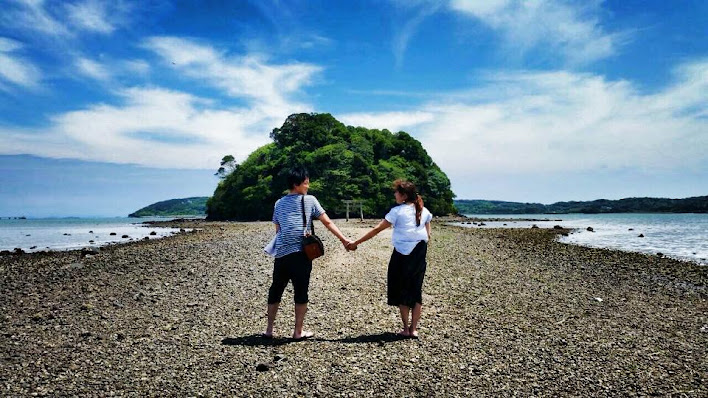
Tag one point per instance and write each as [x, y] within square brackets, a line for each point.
[698, 204]
[174, 207]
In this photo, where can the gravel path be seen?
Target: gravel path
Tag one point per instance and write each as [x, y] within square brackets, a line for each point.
[506, 313]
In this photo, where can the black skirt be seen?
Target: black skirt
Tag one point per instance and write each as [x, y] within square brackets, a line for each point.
[405, 276]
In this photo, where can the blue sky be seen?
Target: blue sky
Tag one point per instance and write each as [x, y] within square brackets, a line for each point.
[534, 101]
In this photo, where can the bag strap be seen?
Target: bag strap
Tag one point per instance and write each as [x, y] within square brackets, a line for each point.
[304, 219]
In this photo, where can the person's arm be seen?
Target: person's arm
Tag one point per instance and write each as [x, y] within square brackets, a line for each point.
[427, 229]
[277, 228]
[373, 232]
[324, 218]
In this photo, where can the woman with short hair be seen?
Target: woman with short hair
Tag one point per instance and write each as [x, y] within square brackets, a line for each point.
[291, 263]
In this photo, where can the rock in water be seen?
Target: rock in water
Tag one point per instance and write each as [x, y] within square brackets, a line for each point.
[590, 229]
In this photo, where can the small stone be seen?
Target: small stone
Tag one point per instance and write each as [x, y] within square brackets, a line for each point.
[590, 229]
[557, 227]
[262, 367]
[120, 337]
[534, 226]
[641, 236]
[660, 254]
[153, 233]
[125, 236]
[112, 234]
[280, 357]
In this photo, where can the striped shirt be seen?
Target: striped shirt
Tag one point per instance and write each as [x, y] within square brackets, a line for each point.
[288, 215]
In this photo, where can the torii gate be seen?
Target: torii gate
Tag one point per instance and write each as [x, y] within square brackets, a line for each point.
[355, 202]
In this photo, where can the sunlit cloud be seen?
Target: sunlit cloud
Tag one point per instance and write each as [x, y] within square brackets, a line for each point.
[572, 30]
[92, 69]
[94, 15]
[269, 86]
[33, 16]
[151, 127]
[15, 69]
[550, 122]
[393, 121]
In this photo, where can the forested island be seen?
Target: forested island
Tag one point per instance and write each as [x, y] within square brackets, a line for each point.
[174, 207]
[698, 204]
[344, 162]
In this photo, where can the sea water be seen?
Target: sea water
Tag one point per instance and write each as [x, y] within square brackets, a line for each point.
[682, 236]
[40, 234]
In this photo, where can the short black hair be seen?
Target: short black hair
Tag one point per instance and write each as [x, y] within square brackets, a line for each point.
[296, 176]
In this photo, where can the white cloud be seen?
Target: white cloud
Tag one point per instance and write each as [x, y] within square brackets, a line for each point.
[265, 85]
[92, 69]
[64, 19]
[15, 69]
[32, 15]
[552, 122]
[168, 128]
[136, 66]
[403, 35]
[153, 127]
[572, 29]
[93, 15]
[393, 121]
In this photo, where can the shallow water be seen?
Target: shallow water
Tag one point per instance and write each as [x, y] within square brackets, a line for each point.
[683, 236]
[75, 233]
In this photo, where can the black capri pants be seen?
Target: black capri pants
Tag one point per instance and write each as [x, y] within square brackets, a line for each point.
[294, 267]
[405, 276]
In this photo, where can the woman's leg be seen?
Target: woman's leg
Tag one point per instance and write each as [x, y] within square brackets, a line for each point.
[272, 312]
[275, 293]
[417, 309]
[405, 310]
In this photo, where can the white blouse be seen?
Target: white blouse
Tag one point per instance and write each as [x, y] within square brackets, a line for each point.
[406, 234]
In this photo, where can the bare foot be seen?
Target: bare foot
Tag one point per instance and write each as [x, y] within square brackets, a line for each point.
[404, 333]
[303, 336]
[267, 335]
[414, 334]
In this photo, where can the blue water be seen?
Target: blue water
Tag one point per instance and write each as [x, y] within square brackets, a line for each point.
[682, 236]
[73, 233]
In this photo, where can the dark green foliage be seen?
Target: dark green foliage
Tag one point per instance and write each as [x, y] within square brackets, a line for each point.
[174, 207]
[698, 204]
[344, 162]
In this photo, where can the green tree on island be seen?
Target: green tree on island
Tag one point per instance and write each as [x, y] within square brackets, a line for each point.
[345, 162]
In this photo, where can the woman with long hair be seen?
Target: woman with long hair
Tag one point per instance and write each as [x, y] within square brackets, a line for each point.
[406, 269]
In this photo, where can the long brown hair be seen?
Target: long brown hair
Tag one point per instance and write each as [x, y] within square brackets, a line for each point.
[408, 188]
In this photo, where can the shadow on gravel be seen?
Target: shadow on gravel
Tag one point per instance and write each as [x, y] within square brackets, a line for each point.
[256, 340]
[381, 338]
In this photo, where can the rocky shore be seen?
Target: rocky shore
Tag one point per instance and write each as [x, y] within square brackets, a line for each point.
[506, 313]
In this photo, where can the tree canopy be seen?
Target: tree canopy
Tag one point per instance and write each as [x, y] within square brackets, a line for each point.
[344, 162]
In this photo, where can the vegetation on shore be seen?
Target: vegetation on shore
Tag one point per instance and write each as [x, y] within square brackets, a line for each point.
[698, 204]
[195, 206]
[344, 162]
